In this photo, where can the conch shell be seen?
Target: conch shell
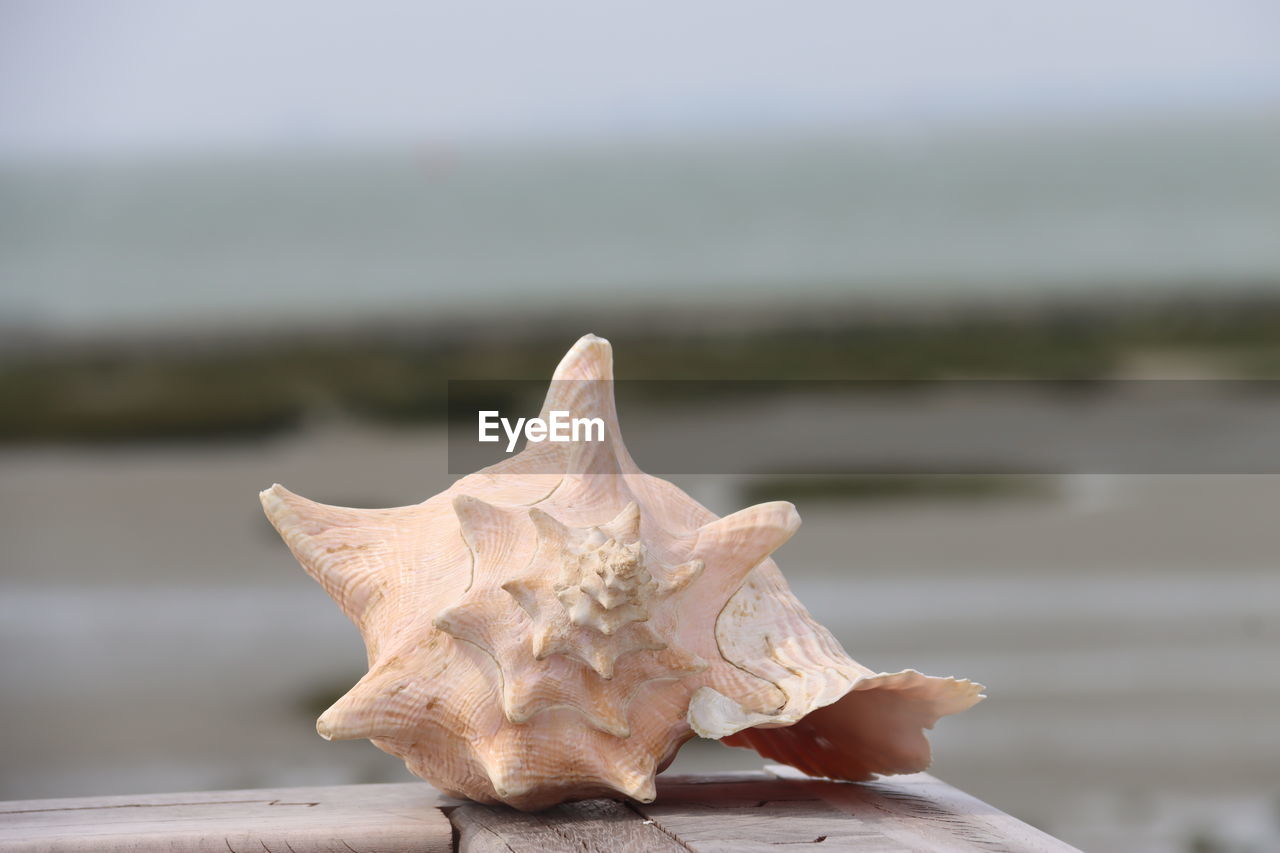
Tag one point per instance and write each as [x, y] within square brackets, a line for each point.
[537, 637]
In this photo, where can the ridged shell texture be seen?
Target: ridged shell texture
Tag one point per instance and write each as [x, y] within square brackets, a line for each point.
[555, 626]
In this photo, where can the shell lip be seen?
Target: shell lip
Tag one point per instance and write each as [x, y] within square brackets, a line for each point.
[883, 734]
[713, 715]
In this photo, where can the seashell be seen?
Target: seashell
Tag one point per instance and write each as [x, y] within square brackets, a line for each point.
[537, 637]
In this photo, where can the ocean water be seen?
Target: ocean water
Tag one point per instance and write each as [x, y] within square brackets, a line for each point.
[234, 242]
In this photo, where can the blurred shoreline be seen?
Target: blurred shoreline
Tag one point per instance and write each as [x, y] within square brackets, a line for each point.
[251, 384]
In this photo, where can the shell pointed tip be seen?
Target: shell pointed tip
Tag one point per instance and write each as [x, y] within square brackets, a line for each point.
[275, 502]
[590, 357]
[789, 516]
[640, 790]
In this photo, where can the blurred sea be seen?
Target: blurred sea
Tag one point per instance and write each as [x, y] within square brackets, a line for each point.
[157, 634]
[245, 243]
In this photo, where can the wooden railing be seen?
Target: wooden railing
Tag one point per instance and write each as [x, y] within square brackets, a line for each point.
[774, 810]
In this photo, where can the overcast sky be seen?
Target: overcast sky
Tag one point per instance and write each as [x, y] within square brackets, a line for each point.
[142, 76]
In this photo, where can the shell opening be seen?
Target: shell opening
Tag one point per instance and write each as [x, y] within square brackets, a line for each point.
[878, 726]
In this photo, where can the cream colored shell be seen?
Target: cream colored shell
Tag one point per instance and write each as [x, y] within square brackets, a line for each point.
[555, 626]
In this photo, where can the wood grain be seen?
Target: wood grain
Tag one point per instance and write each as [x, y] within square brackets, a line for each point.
[929, 814]
[593, 826]
[760, 813]
[338, 819]
[778, 810]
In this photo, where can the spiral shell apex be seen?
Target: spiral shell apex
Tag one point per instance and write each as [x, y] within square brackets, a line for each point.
[556, 626]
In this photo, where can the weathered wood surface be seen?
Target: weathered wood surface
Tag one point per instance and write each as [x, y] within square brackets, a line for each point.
[922, 812]
[336, 819]
[778, 809]
[592, 825]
